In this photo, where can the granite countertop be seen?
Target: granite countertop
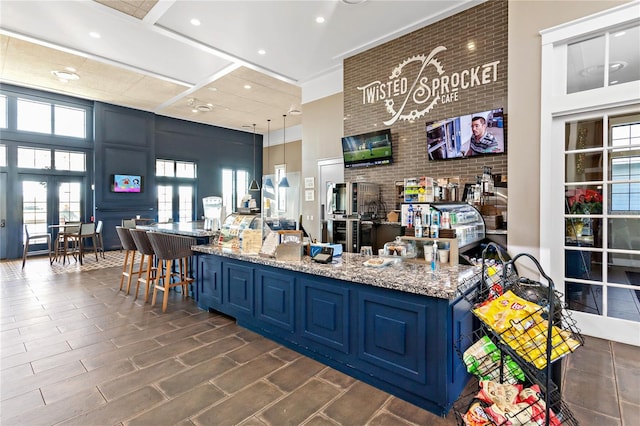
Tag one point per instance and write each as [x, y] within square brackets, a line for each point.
[190, 229]
[408, 276]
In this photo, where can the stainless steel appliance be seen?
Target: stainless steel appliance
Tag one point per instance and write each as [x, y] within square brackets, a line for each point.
[351, 199]
[345, 232]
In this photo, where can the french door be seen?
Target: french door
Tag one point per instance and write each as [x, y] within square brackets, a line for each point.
[50, 200]
[599, 237]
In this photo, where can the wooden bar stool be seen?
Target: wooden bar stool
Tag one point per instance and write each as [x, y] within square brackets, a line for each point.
[146, 275]
[169, 248]
[126, 240]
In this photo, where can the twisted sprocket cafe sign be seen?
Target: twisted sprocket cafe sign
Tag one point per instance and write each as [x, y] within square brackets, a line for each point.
[418, 84]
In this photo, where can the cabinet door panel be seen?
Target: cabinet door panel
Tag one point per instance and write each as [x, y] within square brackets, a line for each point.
[275, 300]
[393, 335]
[325, 314]
[238, 288]
[209, 287]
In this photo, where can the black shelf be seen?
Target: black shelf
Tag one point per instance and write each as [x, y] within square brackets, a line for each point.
[528, 325]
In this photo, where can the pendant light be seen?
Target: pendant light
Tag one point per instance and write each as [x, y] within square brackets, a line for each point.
[253, 186]
[268, 183]
[284, 182]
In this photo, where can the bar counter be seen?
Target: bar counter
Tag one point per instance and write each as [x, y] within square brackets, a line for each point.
[189, 229]
[411, 276]
[394, 327]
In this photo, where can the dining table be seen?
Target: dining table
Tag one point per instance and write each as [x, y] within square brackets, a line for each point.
[66, 233]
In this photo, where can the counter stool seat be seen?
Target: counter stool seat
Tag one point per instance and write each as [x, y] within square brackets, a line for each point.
[129, 246]
[169, 248]
[146, 275]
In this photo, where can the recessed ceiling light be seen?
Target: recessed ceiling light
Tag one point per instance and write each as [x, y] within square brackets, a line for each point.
[70, 69]
[65, 76]
[353, 1]
[94, 34]
[247, 86]
[213, 89]
[471, 46]
[319, 19]
[262, 52]
[195, 22]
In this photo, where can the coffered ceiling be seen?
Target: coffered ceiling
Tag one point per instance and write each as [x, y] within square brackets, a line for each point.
[151, 55]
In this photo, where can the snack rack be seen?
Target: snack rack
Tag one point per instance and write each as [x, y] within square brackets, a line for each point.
[522, 348]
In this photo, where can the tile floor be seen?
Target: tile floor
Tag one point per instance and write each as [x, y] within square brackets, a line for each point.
[75, 350]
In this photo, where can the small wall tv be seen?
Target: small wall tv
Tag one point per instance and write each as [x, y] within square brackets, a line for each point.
[451, 138]
[127, 183]
[367, 149]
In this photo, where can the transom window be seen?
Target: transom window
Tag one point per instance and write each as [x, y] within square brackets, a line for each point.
[38, 158]
[69, 160]
[3, 156]
[47, 118]
[3, 112]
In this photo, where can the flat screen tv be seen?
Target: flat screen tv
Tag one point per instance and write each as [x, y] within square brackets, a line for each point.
[127, 183]
[471, 135]
[368, 149]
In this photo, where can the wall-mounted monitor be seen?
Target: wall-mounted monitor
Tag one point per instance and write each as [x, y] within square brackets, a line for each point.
[127, 183]
[368, 149]
[480, 133]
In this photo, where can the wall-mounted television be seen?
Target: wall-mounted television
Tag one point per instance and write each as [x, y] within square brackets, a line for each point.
[367, 149]
[480, 133]
[127, 183]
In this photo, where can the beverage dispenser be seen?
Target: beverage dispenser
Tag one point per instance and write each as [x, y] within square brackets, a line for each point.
[212, 211]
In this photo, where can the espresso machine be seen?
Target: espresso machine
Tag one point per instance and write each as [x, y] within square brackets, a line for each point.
[212, 211]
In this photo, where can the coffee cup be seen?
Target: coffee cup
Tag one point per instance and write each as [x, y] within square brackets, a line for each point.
[443, 255]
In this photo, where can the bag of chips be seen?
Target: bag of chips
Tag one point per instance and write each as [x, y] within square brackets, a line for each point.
[502, 311]
[483, 360]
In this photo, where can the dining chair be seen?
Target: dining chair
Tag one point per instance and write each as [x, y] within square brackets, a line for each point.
[130, 249]
[100, 240]
[27, 240]
[65, 243]
[87, 230]
[146, 275]
[169, 248]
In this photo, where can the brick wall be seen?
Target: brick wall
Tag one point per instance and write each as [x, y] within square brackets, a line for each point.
[485, 26]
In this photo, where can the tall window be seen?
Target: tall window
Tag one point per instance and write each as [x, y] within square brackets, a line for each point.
[3, 156]
[176, 190]
[3, 112]
[625, 167]
[235, 184]
[281, 196]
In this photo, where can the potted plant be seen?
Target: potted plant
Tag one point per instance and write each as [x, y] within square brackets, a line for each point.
[583, 202]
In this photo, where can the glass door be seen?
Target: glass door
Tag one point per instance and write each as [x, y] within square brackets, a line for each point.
[601, 204]
[49, 200]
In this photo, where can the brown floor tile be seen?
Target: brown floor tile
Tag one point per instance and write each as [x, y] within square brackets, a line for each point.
[252, 421]
[367, 398]
[71, 355]
[285, 354]
[587, 417]
[218, 333]
[321, 421]
[630, 414]
[19, 405]
[245, 374]
[386, 419]
[91, 379]
[125, 384]
[295, 374]
[162, 353]
[300, 405]
[179, 408]
[590, 361]
[74, 338]
[337, 378]
[124, 352]
[626, 356]
[194, 376]
[182, 333]
[592, 391]
[628, 380]
[252, 350]
[412, 413]
[59, 411]
[35, 354]
[136, 335]
[211, 350]
[13, 374]
[235, 409]
[119, 409]
[52, 375]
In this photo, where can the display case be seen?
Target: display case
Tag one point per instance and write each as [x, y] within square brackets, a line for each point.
[233, 227]
[465, 220]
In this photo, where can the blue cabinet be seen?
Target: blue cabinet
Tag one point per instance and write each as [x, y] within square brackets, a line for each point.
[400, 342]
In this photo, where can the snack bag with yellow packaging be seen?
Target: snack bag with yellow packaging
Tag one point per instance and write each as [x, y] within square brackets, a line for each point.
[502, 312]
